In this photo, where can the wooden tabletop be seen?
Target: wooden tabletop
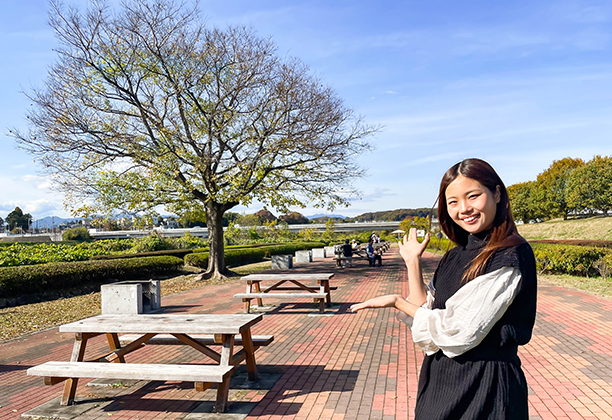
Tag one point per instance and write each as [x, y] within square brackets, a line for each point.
[168, 323]
[289, 276]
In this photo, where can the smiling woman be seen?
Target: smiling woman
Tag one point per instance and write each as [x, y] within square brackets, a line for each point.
[471, 205]
[479, 307]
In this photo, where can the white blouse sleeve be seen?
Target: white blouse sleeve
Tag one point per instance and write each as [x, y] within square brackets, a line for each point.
[469, 315]
[407, 319]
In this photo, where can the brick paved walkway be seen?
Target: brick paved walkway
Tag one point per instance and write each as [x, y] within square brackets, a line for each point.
[338, 366]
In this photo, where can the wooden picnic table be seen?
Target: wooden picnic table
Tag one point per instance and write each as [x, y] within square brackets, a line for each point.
[321, 292]
[184, 327]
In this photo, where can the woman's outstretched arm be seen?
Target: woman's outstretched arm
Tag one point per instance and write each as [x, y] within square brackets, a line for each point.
[387, 301]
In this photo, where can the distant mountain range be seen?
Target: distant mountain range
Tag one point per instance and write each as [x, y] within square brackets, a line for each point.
[316, 216]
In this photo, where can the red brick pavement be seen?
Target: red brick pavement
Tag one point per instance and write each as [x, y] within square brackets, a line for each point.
[342, 366]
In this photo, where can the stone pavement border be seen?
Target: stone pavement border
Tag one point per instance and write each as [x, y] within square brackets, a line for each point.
[338, 366]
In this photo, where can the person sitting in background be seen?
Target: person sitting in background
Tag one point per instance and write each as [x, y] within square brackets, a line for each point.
[347, 251]
[373, 256]
[354, 245]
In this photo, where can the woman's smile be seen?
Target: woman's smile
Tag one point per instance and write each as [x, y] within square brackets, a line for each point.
[471, 205]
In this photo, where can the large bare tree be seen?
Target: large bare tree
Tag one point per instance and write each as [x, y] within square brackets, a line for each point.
[146, 107]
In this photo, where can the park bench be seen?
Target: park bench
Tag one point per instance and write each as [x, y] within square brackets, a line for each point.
[56, 372]
[320, 293]
[342, 260]
[206, 375]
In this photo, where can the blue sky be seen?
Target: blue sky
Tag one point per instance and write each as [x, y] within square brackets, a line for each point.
[517, 83]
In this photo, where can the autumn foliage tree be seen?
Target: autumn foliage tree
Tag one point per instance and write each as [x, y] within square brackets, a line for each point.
[147, 107]
[569, 187]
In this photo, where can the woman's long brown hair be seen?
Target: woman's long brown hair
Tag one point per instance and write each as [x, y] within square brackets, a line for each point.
[504, 233]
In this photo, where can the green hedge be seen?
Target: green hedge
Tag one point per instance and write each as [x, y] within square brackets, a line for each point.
[568, 259]
[246, 255]
[15, 281]
[205, 249]
[29, 243]
[579, 242]
[179, 253]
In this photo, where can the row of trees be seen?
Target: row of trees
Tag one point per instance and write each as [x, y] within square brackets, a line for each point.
[393, 215]
[260, 218]
[568, 188]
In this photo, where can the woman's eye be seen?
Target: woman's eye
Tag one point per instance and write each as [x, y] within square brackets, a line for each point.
[473, 196]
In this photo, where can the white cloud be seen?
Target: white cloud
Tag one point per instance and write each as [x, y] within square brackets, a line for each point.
[30, 178]
[41, 208]
[37, 208]
[40, 182]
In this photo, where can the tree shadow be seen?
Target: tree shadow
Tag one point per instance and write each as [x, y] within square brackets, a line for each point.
[13, 368]
[296, 384]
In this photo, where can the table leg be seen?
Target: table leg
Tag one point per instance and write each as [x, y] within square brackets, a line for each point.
[247, 301]
[222, 395]
[258, 290]
[227, 352]
[78, 353]
[325, 286]
[115, 345]
[249, 349]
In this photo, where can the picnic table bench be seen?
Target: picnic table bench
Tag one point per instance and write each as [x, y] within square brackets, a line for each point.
[320, 293]
[196, 330]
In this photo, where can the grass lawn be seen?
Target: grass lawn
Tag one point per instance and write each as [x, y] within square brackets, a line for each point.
[593, 228]
[25, 319]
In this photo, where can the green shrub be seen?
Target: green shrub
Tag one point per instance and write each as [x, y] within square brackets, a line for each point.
[107, 246]
[15, 281]
[604, 266]
[567, 259]
[20, 254]
[579, 242]
[179, 253]
[197, 259]
[153, 242]
[240, 255]
[237, 257]
[188, 241]
[439, 244]
[364, 237]
[80, 234]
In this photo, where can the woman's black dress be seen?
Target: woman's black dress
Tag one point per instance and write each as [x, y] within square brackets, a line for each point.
[486, 382]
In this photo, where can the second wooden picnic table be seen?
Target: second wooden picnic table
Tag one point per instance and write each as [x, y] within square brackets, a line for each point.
[300, 283]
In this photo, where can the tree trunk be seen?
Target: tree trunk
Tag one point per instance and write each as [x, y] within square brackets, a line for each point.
[216, 257]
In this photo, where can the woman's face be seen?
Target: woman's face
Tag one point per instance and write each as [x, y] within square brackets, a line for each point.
[471, 205]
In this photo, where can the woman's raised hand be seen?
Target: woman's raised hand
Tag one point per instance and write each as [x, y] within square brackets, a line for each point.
[410, 247]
